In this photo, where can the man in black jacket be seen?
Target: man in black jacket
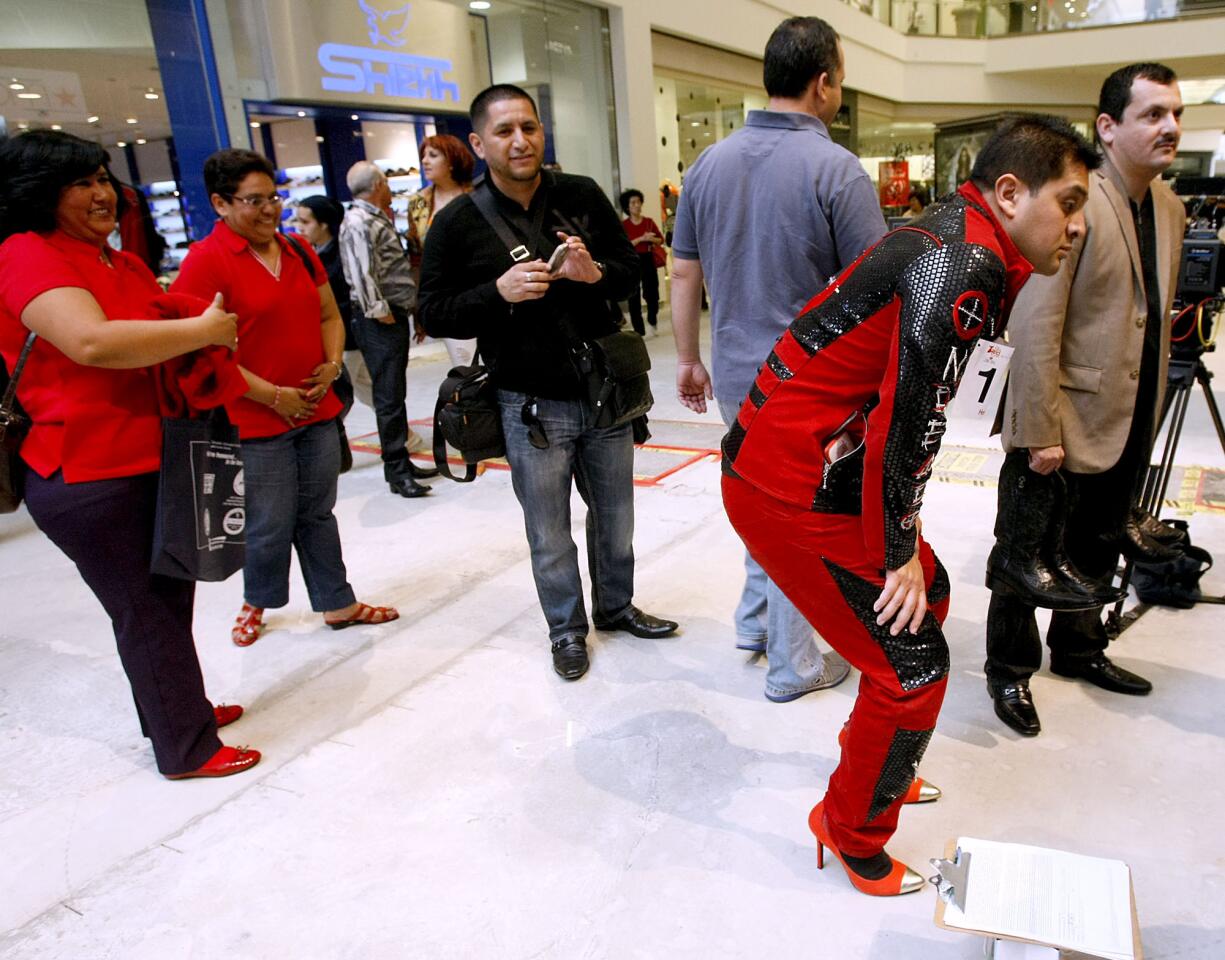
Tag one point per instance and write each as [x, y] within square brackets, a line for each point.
[526, 320]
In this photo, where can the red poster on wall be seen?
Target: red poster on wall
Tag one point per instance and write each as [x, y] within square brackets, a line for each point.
[894, 182]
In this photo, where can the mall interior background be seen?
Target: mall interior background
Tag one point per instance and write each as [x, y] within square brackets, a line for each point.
[631, 93]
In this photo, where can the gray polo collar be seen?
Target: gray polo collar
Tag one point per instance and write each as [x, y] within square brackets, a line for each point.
[785, 121]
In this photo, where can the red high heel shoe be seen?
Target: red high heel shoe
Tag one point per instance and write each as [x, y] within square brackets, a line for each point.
[226, 713]
[898, 881]
[919, 791]
[248, 625]
[224, 763]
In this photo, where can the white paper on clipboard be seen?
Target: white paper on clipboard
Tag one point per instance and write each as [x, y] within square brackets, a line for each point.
[982, 385]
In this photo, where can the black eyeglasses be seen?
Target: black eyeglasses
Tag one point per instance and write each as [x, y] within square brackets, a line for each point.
[535, 429]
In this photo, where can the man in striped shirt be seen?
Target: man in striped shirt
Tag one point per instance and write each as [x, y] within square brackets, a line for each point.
[384, 295]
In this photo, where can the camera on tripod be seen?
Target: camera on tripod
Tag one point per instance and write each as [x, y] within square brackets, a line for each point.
[1200, 294]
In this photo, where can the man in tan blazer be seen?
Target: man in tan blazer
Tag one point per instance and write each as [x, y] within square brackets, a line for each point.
[1084, 388]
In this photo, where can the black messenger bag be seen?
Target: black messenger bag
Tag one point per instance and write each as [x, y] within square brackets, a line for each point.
[468, 418]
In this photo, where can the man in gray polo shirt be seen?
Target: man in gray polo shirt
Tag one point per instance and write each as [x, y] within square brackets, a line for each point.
[766, 216]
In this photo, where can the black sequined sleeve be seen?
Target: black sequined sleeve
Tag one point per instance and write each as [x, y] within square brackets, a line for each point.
[948, 299]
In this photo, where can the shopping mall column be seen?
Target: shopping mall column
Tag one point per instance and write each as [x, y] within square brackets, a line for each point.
[184, 46]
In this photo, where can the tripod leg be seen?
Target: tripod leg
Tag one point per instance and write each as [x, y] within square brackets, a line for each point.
[1205, 381]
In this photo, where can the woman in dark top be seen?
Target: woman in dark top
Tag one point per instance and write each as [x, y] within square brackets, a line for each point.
[94, 450]
[318, 219]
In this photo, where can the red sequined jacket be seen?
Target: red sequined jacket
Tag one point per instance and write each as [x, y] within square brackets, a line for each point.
[847, 413]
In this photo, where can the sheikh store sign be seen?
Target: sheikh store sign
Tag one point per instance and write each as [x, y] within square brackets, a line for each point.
[353, 69]
[426, 54]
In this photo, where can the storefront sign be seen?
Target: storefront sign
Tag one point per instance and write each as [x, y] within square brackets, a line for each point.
[423, 54]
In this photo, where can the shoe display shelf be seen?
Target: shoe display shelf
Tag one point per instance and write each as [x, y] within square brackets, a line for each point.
[167, 210]
[403, 183]
[297, 183]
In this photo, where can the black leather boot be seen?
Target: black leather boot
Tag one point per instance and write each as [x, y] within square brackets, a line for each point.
[1015, 567]
[1153, 528]
[1055, 553]
[1131, 541]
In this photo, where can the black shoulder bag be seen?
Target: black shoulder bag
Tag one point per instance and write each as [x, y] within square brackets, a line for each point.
[613, 369]
[468, 418]
[14, 425]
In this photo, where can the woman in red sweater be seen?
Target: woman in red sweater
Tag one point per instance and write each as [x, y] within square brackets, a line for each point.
[94, 449]
[291, 339]
[648, 241]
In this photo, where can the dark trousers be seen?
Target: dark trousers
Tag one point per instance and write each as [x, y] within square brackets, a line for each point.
[648, 289]
[1097, 504]
[384, 347]
[105, 527]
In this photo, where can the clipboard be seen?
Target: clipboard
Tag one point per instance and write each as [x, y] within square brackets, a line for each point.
[950, 851]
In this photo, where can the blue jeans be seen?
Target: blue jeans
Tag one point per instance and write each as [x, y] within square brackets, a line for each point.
[601, 463]
[291, 491]
[764, 612]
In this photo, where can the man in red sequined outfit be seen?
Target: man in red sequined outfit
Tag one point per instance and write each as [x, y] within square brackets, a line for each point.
[825, 467]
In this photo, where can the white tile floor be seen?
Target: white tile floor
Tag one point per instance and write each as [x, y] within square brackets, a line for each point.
[430, 789]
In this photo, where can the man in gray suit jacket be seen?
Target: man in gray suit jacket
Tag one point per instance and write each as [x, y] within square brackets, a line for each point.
[1081, 411]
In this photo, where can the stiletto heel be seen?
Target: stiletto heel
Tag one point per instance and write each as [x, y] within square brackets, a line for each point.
[898, 881]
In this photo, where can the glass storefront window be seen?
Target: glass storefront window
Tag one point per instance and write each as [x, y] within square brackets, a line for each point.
[90, 69]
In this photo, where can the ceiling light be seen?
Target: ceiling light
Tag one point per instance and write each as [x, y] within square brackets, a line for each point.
[353, 116]
[479, 5]
[17, 85]
[29, 96]
[23, 126]
[142, 140]
[121, 143]
[93, 119]
[151, 94]
[132, 120]
[254, 124]
[56, 126]
[318, 139]
[301, 113]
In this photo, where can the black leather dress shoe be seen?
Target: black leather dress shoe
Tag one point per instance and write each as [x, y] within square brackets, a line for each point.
[639, 624]
[570, 657]
[1015, 706]
[408, 487]
[1102, 672]
[421, 473]
[1033, 582]
[1153, 528]
[1135, 544]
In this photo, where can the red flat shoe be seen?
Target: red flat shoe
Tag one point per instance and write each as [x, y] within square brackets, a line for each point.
[248, 625]
[898, 881]
[365, 614]
[226, 713]
[224, 763]
[919, 791]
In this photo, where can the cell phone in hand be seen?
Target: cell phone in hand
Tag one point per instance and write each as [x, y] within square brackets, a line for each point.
[558, 257]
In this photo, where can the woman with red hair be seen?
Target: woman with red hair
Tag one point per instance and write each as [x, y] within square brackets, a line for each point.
[447, 164]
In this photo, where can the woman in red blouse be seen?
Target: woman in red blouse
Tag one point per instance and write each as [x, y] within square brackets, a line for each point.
[291, 339]
[94, 449]
[648, 241]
